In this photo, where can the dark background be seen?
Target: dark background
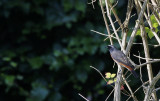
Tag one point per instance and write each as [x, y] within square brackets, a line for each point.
[46, 48]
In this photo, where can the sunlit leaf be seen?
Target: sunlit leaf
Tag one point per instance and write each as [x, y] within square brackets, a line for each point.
[138, 32]
[110, 82]
[150, 34]
[147, 29]
[155, 25]
[108, 75]
[113, 75]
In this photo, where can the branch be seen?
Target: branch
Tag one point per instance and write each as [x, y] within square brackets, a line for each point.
[83, 97]
[149, 22]
[147, 55]
[126, 22]
[114, 29]
[132, 94]
[151, 87]
[100, 74]
[106, 23]
[149, 62]
[150, 59]
[136, 27]
[109, 95]
[104, 34]
[144, 64]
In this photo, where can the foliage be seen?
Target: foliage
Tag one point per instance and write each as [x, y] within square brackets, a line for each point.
[148, 30]
[110, 78]
[47, 48]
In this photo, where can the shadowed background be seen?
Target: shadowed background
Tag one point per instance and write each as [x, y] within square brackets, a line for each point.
[47, 48]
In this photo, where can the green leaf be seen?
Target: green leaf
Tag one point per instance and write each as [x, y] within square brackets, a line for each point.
[57, 53]
[13, 64]
[147, 29]
[80, 5]
[110, 82]
[6, 59]
[108, 75]
[153, 19]
[138, 32]
[115, 79]
[113, 75]
[36, 62]
[38, 94]
[9, 80]
[150, 34]
[68, 5]
[19, 77]
[155, 25]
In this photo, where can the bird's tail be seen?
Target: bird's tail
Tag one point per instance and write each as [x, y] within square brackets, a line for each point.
[134, 74]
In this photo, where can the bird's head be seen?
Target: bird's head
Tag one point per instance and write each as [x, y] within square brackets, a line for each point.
[111, 48]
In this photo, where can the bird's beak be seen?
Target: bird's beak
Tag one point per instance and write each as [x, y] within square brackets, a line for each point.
[108, 46]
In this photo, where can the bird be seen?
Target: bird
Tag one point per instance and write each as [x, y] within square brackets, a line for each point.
[120, 58]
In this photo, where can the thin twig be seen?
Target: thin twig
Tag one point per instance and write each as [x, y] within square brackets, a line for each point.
[83, 97]
[109, 95]
[150, 59]
[106, 23]
[129, 88]
[110, 19]
[92, 2]
[138, 89]
[99, 73]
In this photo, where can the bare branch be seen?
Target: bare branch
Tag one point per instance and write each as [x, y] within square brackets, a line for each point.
[109, 95]
[144, 64]
[150, 59]
[100, 74]
[83, 97]
[136, 27]
[151, 87]
[149, 22]
[132, 94]
[106, 23]
[92, 2]
[110, 19]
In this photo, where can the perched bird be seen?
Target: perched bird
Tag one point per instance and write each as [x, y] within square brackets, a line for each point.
[120, 58]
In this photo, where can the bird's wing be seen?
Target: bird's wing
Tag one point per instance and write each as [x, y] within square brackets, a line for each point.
[120, 57]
